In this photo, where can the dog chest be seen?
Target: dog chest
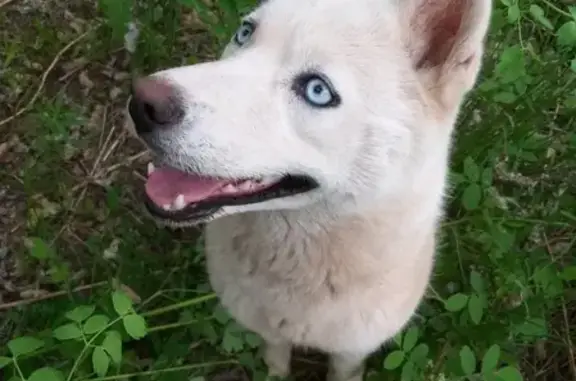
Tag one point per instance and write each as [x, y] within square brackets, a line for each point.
[283, 291]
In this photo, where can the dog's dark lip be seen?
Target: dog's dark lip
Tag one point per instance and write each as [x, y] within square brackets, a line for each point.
[289, 185]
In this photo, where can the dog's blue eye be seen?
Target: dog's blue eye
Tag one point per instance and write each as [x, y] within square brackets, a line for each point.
[316, 90]
[244, 33]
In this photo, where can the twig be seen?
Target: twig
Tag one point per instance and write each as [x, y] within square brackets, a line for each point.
[571, 358]
[19, 303]
[102, 129]
[5, 2]
[138, 175]
[112, 147]
[554, 7]
[44, 76]
[131, 159]
[180, 305]
[439, 361]
[102, 148]
[179, 324]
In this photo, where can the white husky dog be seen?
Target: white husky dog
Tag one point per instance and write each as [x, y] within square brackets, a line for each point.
[317, 151]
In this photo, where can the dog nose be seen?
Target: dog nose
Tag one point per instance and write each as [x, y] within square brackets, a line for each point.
[155, 104]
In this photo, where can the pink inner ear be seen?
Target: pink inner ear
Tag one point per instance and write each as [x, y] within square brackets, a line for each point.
[440, 22]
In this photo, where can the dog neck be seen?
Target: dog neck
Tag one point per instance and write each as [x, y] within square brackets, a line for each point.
[414, 212]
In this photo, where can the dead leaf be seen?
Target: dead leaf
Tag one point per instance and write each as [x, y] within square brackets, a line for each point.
[122, 76]
[86, 82]
[115, 93]
[131, 37]
[3, 148]
[95, 120]
[112, 251]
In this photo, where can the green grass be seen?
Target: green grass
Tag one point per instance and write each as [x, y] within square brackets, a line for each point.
[503, 297]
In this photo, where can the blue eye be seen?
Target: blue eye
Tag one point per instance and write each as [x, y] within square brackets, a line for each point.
[244, 33]
[316, 91]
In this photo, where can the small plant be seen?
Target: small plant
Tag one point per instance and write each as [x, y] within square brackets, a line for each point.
[92, 343]
[97, 333]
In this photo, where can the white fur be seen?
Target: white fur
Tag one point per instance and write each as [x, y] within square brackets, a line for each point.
[341, 268]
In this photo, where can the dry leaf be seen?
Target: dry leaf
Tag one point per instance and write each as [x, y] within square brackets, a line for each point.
[112, 251]
[3, 148]
[122, 76]
[115, 92]
[85, 81]
[131, 37]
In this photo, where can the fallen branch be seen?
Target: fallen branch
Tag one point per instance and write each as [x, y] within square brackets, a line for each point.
[571, 358]
[5, 2]
[44, 75]
[23, 302]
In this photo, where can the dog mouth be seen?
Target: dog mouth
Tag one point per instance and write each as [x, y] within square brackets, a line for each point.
[178, 196]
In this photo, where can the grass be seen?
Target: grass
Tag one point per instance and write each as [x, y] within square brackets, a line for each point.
[91, 290]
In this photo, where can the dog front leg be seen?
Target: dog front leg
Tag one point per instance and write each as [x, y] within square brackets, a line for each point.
[277, 358]
[346, 367]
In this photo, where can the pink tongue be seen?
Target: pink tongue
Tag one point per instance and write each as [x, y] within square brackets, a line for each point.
[165, 184]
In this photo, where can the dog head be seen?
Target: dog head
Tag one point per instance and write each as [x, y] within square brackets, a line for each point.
[324, 101]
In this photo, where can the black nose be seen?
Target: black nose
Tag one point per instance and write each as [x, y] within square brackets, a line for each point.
[155, 104]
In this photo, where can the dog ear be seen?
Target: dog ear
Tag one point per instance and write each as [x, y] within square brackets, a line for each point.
[445, 40]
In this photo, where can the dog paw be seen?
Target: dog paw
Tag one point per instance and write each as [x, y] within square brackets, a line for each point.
[277, 358]
[276, 374]
[340, 378]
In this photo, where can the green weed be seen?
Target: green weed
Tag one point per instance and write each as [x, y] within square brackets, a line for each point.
[123, 300]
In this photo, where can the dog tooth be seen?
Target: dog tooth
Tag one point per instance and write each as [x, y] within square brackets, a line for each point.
[179, 203]
[229, 188]
[151, 168]
[167, 207]
[268, 180]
